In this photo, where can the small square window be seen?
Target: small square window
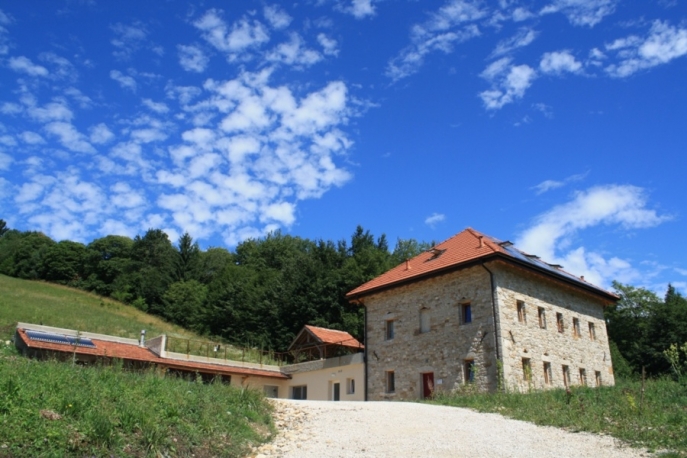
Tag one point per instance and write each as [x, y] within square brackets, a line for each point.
[547, 373]
[592, 331]
[576, 327]
[466, 313]
[542, 317]
[522, 317]
[566, 376]
[389, 330]
[390, 382]
[559, 322]
[526, 370]
[469, 370]
[583, 377]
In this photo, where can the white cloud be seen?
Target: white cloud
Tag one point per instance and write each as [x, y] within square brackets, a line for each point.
[524, 37]
[440, 32]
[559, 62]
[157, 107]
[31, 138]
[548, 185]
[63, 68]
[582, 12]
[5, 161]
[329, 45]
[53, 111]
[128, 39]
[509, 82]
[192, 58]
[361, 8]
[126, 82]
[553, 233]
[294, 53]
[276, 16]
[435, 219]
[663, 44]
[23, 64]
[244, 34]
[100, 134]
[69, 137]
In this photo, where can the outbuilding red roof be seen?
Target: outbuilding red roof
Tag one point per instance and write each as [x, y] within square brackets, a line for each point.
[463, 249]
[124, 351]
[334, 337]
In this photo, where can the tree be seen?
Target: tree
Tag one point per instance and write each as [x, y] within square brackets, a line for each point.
[3, 227]
[64, 263]
[184, 302]
[187, 261]
[154, 265]
[107, 260]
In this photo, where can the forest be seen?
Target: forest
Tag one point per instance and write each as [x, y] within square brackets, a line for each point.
[262, 293]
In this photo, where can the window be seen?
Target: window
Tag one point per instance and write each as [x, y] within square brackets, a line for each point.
[566, 376]
[424, 320]
[522, 318]
[469, 370]
[597, 378]
[271, 391]
[559, 321]
[592, 331]
[576, 327]
[583, 377]
[390, 382]
[547, 373]
[299, 392]
[389, 332]
[466, 313]
[542, 317]
[526, 370]
[350, 386]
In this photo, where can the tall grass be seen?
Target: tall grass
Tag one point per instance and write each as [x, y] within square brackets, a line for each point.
[656, 419]
[59, 409]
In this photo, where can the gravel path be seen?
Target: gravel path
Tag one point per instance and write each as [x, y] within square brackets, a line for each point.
[406, 429]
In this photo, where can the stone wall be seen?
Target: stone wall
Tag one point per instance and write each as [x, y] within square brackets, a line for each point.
[543, 343]
[447, 344]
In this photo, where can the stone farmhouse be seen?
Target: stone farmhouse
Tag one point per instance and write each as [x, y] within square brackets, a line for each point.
[476, 310]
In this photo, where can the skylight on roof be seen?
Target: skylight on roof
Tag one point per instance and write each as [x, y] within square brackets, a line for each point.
[60, 339]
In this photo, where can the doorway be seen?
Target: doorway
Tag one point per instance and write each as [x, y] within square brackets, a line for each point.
[336, 392]
[427, 385]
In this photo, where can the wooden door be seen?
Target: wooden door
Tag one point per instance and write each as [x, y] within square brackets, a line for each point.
[427, 385]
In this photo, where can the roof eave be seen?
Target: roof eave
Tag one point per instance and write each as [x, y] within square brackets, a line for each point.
[481, 260]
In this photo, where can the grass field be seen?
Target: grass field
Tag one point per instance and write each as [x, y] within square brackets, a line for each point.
[54, 305]
[55, 409]
[656, 419]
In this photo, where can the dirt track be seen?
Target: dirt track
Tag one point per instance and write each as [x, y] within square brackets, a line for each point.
[400, 429]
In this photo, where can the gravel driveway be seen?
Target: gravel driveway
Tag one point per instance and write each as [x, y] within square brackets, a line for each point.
[407, 429]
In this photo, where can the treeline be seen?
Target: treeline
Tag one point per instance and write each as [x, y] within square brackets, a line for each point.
[263, 293]
[259, 295]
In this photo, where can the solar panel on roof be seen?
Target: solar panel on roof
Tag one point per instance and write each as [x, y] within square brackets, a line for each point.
[60, 339]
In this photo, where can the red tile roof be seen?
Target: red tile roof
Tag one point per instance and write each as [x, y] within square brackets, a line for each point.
[458, 251]
[108, 349]
[334, 337]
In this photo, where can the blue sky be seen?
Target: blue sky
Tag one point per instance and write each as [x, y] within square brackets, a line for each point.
[560, 125]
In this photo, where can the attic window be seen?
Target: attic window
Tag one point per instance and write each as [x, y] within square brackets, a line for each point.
[531, 256]
[556, 266]
[436, 252]
[506, 244]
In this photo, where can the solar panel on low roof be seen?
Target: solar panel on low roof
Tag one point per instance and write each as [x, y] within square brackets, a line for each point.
[60, 339]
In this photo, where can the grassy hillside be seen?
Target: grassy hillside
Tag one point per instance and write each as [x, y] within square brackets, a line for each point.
[54, 305]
